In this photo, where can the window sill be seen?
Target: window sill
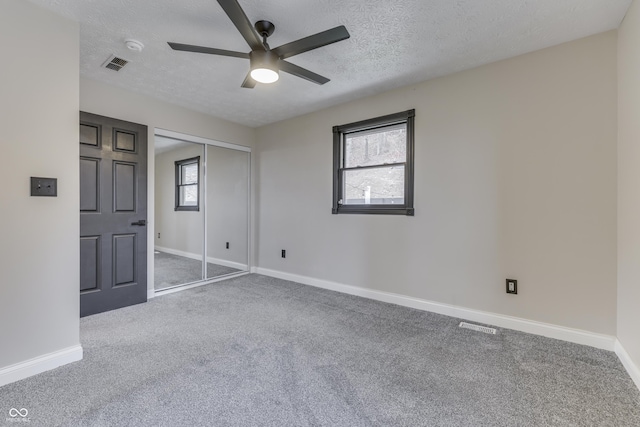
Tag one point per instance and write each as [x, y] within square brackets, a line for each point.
[374, 210]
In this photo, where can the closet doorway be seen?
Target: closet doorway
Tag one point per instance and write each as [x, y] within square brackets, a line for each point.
[201, 219]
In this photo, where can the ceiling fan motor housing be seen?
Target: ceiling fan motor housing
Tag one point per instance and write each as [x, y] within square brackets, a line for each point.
[264, 59]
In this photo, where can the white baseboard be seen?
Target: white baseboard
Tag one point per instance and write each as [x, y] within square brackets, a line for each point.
[606, 342]
[226, 263]
[179, 253]
[39, 364]
[219, 261]
[632, 368]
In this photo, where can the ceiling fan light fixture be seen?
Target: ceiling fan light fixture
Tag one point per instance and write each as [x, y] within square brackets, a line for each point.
[264, 75]
[264, 66]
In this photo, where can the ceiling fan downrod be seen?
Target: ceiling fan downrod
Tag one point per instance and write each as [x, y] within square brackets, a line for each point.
[265, 29]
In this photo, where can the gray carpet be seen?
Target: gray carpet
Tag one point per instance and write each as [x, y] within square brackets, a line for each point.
[171, 270]
[260, 351]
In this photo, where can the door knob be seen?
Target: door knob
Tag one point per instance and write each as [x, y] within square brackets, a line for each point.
[140, 223]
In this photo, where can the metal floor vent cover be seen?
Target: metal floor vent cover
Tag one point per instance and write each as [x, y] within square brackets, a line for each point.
[115, 63]
[478, 328]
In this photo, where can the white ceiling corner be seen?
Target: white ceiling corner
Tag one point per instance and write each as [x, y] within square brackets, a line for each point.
[392, 44]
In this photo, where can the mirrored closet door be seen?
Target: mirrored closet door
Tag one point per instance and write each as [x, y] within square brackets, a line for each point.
[227, 211]
[201, 212]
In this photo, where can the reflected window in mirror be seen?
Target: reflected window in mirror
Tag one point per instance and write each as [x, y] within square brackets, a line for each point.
[188, 184]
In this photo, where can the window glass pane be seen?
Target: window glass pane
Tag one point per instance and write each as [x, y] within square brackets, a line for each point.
[189, 195]
[189, 173]
[377, 147]
[377, 186]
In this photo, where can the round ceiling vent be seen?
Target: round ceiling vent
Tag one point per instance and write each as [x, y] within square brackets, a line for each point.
[134, 45]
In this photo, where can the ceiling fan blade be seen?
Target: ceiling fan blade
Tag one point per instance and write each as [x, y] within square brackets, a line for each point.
[312, 42]
[290, 68]
[236, 14]
[248, 82]
[210, 50]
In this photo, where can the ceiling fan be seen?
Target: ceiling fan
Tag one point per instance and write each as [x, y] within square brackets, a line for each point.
[265, 63]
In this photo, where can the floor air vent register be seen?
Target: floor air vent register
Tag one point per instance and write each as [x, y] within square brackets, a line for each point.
[477, 328]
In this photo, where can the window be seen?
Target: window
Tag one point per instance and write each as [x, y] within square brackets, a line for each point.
[373, 166]
[187, 184]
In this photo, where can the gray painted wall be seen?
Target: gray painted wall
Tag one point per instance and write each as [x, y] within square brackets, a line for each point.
[515, 177]
[39, 243]
[628, 184]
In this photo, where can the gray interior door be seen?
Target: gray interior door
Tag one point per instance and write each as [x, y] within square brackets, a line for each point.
[113, 214]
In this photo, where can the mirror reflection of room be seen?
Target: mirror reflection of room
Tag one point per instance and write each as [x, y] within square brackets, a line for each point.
[179, 214]
[200, 190]
[227, 211]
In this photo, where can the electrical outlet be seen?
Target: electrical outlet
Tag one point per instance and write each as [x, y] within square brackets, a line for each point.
[512, 286]
[284, 253]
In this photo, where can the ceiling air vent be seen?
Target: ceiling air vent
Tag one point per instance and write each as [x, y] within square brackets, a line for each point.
[114, 63]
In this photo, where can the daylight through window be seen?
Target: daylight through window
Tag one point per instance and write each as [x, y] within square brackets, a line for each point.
[373, 165]
[187, 184]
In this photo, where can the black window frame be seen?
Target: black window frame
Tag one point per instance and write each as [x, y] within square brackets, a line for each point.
[179, 164]
[339, 134]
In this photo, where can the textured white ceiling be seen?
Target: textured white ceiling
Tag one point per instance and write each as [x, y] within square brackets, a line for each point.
[162, 144]
[393, 43]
